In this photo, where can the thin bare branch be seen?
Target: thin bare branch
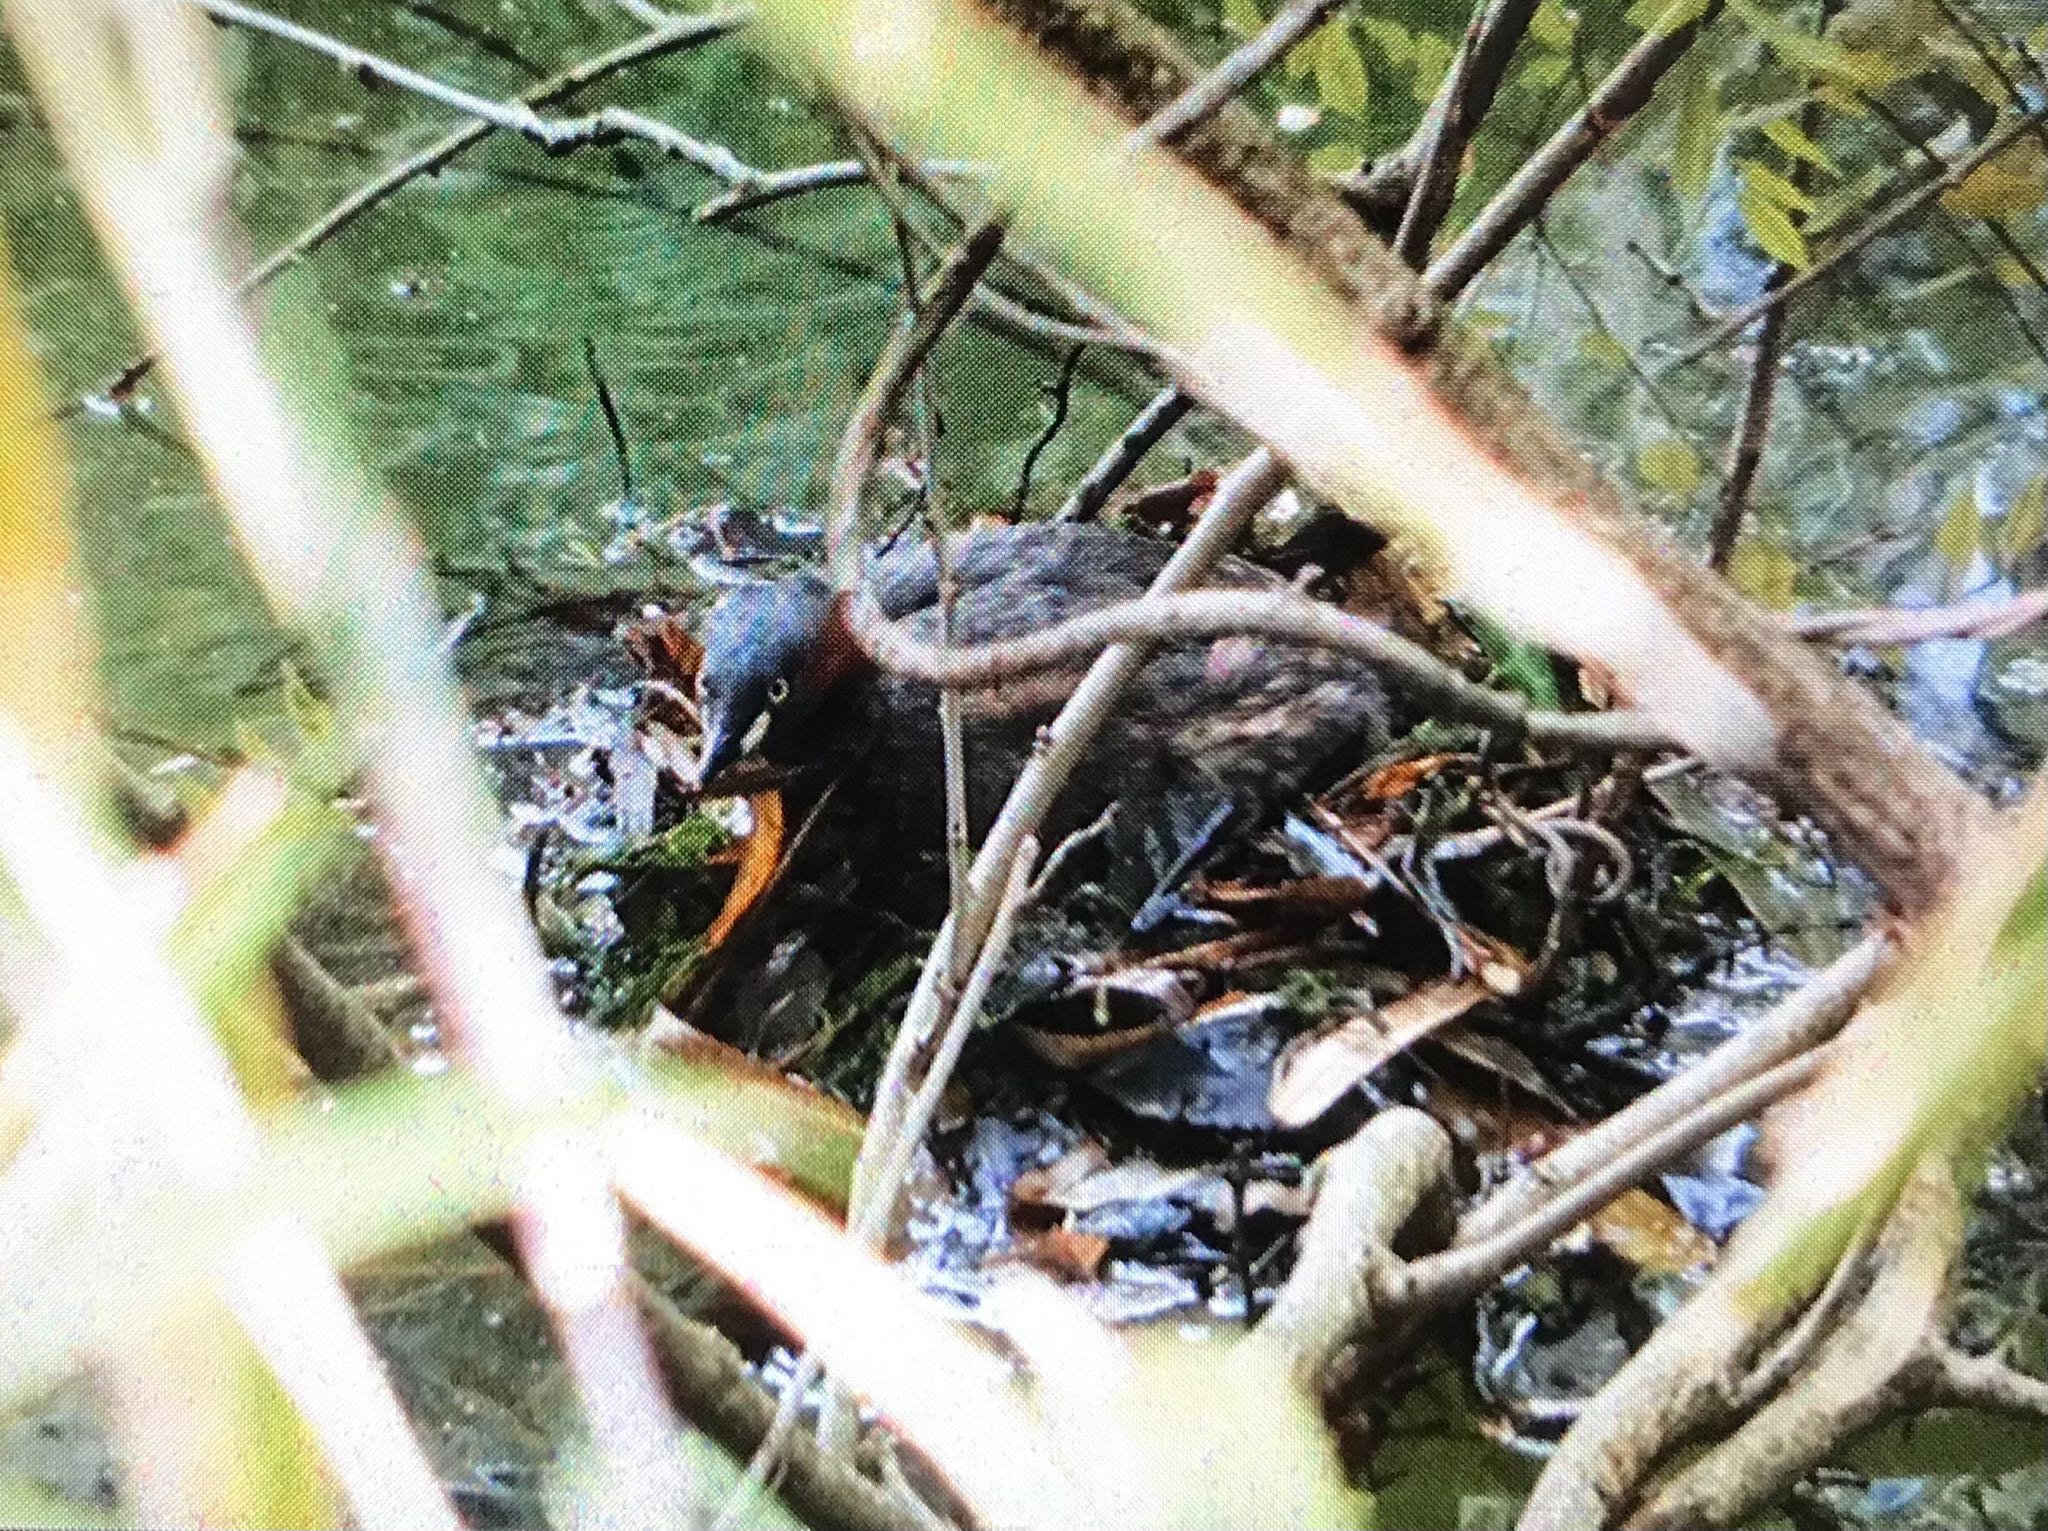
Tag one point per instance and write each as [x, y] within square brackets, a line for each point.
[1434, 1282]
[748, 188]
[1867, 233]
[1460, 105]
[685, 32]
[1167, 409]
[1898, 624]
[1985, 1382]
[1746, 450]
[1626, 90]
[1231, 78]
[1280, 615]
[909, 344]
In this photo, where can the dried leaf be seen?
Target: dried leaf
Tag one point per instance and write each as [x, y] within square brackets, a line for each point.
[1650, 1234]
[1076, 1050]
[2010, 182]
[666, 648]
[1314, 1074]
[1062, 1253]
[1500, 1058]
[1404, 776]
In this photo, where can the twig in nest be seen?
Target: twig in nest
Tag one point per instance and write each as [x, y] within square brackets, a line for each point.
[1062, 398]
[1166, 410]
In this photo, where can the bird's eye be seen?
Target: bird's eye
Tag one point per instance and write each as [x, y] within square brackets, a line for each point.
[778, 691]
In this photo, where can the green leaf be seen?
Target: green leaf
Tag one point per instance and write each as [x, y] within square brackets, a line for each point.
[1840, 100]
[1671, 465]
[1660, 18]
[1334, 158]
[2024, 935]
[2026, 523]
[1813, 54]
[1961, 532]
[1766, 573]
[1300, 61]
[1433, 59]
[1773, 187]
[1546, 69]
[1341, 80]
[1553, 26]
[1697, 129]
[1792, 139]
[1393, 40]
[1523, 666]
[1773, 229]
[1603, 350]
[1243, 18]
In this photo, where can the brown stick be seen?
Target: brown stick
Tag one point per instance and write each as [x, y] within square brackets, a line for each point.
[1461, 104]
[1746, 451]
[1626, 90]
[1202, 615]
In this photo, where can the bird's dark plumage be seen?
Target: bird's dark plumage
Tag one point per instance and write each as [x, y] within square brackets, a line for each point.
[1235, 719]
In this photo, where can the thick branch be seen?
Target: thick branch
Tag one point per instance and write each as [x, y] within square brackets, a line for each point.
[1861, 1372]
[1372, 1186]
[716, 1391]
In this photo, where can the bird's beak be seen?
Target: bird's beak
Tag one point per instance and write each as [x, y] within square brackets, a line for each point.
[723, 746]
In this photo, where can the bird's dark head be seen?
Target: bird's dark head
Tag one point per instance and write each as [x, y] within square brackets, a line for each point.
[772, 652]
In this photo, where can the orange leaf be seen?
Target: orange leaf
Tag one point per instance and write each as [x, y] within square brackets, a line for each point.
[1404, 776]
[666, 649]
[760, 854]
[1649, 1234]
